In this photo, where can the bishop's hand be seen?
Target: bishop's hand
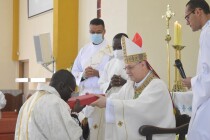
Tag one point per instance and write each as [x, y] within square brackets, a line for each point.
[100, 102]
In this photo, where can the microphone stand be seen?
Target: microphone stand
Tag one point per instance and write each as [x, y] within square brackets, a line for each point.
[46, 66]
[177, 82]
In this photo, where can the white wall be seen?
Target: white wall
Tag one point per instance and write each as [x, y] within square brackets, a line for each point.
[127, 16]
[145, 17]
[8, 70]
[113, 12]
[28, 28]
[87, 11]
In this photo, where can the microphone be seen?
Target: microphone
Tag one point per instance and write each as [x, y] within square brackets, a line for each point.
[178, 64]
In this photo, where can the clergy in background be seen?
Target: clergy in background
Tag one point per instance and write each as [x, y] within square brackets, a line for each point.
[144, 100]
[197, 15]
[87, 69]
[114, 75]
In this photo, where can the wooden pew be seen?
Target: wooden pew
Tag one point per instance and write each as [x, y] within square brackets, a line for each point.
[9, 114]
[13, 102]
[7, 125]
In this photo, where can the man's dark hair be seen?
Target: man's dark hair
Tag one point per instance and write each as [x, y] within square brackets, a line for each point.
[97, 21]
[199, 4]
[118, 36]
[63, 76]
[64, 82]
[116, 42]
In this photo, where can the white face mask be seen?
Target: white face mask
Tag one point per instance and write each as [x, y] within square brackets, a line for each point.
[118, 54]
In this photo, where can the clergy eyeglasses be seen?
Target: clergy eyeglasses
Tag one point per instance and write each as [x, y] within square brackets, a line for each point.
[72, 91]
[188, 15]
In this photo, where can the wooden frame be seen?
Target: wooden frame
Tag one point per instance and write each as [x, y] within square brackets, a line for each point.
[37, 7]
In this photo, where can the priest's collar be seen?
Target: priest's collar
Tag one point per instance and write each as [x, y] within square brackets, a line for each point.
[142, 81]
[206, 25]
[47, 88]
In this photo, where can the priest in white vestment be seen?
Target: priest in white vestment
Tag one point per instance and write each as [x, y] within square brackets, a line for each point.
[145, 100]
[114, 75]
[87, 68]
[46, 115]
[198, 18]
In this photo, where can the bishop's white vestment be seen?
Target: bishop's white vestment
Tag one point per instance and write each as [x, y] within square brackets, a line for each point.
[114, 67]
[127, 110]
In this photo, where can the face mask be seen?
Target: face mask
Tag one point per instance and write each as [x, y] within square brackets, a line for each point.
[118, 54]
[96, 38]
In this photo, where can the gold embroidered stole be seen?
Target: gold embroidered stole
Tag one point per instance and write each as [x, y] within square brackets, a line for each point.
[40, 94]
[146, 82]
[97, 56]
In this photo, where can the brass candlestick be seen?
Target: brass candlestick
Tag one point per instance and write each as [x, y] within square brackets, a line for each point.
[168, 16]
[177, 82]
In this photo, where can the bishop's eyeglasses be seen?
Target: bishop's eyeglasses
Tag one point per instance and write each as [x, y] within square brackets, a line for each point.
[131, 67]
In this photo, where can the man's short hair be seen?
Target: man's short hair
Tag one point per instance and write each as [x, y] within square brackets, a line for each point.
[97, 21]
[119, 35]
[199, 4]
[63, 76]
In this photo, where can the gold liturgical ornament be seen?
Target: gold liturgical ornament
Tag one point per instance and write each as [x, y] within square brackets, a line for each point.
[168, 15]
[178, 47]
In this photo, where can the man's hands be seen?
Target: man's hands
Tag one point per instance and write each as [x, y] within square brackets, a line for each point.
[77, 107]
[90, 72]
[117, 81]
[101, 102]
[187, 82]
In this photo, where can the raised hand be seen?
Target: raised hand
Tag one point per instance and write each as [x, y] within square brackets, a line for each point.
[90, 72]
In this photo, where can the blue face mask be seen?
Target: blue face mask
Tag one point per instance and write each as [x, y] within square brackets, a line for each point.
[96, 38]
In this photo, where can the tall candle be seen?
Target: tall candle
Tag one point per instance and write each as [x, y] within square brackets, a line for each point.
[180, 35]
[177, 34]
